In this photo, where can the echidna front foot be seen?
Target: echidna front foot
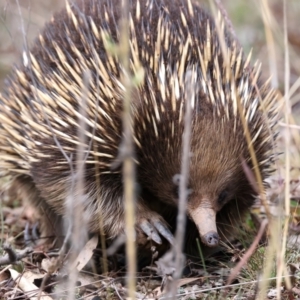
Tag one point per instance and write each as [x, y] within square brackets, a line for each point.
[152, 225]
[49, 222]
[155, 227]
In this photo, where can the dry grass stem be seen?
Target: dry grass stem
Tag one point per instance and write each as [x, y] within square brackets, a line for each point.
[127, 154]
[266, 17]
[248, 254]
[281, 258]
[241, 112]
[75, 204]
[190, 91]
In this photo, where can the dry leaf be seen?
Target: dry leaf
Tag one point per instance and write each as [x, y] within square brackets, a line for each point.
[27, 287]
[86, 253]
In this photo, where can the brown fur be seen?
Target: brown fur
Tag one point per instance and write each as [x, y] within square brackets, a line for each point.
[217, 148]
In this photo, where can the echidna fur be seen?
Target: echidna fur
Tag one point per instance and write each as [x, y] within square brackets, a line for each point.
[40, 110]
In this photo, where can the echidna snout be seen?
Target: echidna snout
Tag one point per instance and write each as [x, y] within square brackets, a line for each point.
[211, 239]
[205, 220]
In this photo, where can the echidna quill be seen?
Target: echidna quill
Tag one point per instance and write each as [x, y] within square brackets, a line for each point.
[40, 113]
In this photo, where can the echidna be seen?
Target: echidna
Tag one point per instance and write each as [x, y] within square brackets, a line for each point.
[40, 112]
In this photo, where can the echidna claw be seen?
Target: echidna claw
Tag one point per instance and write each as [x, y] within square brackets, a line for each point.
[150, 231]
[31, 236]
[164, 231]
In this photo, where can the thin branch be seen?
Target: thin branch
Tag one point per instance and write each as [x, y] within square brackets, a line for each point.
[227, 20]
[12, 256]
[190, 90]
[127, 154]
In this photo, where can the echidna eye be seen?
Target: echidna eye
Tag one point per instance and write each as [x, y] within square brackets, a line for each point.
[222, 197]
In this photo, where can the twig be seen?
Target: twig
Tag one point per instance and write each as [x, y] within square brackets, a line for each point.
[127, 153]
[190, 90]
[75, 204]
[267, 19]
[12, 256]
[227, 21]
[247, 134]
[281, 257]
[248, 254]
[210, 289]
